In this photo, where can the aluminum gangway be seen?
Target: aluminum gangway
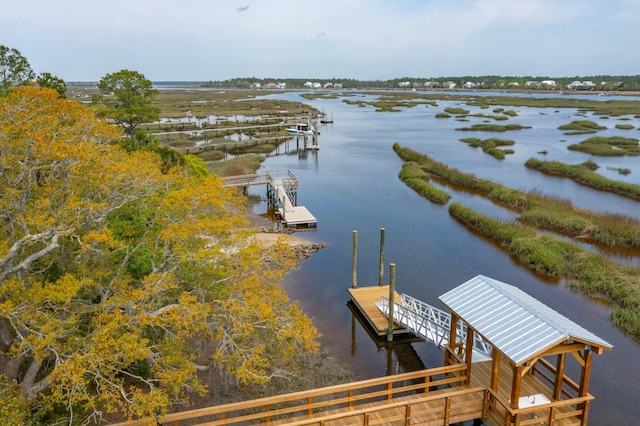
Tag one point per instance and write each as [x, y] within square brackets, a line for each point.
[432, 324]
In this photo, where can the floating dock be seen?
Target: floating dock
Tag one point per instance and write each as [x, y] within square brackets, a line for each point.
[365, 299]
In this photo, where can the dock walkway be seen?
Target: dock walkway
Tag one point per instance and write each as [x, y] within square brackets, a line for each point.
[282, 190]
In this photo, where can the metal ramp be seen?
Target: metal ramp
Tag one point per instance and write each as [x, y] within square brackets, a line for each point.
[432, 324]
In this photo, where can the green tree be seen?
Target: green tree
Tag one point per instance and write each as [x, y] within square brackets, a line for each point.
[14, 68]
[127, 97]
[50, 81]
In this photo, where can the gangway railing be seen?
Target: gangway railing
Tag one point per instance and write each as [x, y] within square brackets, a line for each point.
[288, 179]
[432, 324]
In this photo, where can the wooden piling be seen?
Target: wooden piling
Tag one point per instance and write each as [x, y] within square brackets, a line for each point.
[392, 291]
[354, 263]
[381, 274]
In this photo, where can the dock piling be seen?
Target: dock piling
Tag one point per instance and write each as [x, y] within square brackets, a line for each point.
[381, 274]
[392, 290]
[354, 281]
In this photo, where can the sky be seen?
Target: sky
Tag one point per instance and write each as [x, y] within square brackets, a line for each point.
[202, 40]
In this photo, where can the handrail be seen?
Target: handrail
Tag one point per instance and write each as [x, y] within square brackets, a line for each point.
[549, 407]
[432, 324]
[369, 410]
[327, 392]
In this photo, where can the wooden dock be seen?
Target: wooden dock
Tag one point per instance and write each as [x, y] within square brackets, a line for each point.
[365, 299]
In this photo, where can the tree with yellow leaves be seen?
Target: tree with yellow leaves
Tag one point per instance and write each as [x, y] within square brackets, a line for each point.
[113, 272]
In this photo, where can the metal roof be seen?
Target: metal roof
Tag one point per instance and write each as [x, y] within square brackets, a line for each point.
[518, 325]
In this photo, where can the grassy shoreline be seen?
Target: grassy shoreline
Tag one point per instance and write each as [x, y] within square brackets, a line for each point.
[583, 174]
[551, 255]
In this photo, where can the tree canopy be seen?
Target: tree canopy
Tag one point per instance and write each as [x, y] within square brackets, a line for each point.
[127, 97]
[46, 79]
[115, 273]
[14, 68]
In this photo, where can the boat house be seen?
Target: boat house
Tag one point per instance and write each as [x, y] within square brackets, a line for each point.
[532, 345]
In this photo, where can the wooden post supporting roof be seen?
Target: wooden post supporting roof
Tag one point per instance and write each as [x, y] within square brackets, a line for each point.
[451, 349]
[468, 354]
[557, 385]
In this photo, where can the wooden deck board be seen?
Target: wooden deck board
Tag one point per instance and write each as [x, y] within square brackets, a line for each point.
[365, 299]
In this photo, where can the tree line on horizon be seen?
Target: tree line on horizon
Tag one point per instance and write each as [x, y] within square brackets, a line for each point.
[601, 82]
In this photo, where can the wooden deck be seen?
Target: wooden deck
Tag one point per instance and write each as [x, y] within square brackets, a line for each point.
[365, 299]
[430, 397]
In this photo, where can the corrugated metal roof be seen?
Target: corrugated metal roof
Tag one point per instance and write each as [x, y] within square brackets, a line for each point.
[518, 325]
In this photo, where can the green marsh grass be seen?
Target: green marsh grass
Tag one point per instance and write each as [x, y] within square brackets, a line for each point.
[581, 269]
[493, 127]
[417, 179]
[537, 209]
[614, 146]
[580, 127]
[491, 146]
[456, 111]
[624, 126]
[584, 174]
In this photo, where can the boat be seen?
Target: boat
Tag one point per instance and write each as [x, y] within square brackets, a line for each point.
[326, 120]
[300, 129]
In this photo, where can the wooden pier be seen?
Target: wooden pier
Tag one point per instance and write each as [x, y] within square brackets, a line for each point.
[282, 196]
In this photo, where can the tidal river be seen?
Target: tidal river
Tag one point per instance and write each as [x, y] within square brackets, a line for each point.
[351, 184]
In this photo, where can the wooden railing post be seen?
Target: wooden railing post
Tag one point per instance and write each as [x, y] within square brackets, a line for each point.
[309, 403]
[447, 410]
[389, 391]
[407, 415]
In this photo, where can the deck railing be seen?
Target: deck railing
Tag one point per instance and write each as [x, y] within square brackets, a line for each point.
[307, 406]
[571, 411]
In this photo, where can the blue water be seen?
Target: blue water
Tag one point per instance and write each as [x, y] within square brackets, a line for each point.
[351, 184]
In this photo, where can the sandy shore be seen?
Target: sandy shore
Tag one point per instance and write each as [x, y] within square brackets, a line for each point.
[268, 235]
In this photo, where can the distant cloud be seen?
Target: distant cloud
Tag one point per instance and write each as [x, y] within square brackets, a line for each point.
[322, 34]
[242, 8]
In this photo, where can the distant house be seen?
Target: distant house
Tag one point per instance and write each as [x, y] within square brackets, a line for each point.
[513, 84]
[281, 85]
[317, 85]
[404, 84]
[308, 84]
[449, 85]
[270, 85]
[337, 86]
[548, 84]
[256, 85]
[328, 85]
[469, 85]
[581, 85]
[532, 84]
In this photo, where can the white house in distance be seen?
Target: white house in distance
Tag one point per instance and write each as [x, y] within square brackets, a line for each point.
[581, 85]
[549, 84]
